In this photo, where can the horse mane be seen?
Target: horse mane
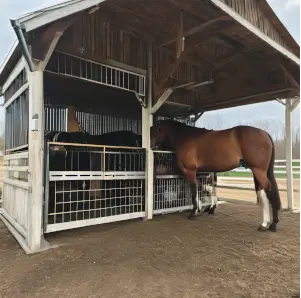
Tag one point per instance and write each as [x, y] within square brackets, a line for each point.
[180, 124]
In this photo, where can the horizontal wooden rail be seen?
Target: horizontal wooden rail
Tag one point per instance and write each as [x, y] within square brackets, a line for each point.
[94, 146]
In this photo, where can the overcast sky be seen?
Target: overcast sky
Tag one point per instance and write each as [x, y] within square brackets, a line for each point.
[288, 12]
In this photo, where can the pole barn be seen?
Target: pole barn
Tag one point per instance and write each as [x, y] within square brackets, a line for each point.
[101, 66]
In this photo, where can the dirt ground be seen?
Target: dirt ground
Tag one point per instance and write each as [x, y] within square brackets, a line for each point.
[215, 256]
[250, 195]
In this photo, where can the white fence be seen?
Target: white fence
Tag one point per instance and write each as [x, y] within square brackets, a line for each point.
[246, 174]
[224, 180]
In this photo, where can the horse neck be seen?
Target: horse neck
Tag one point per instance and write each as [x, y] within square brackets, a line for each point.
[177, 134]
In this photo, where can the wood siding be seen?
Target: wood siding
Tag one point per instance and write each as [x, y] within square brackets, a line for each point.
[249, 9]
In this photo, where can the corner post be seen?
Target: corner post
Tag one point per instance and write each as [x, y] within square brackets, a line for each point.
[147, 122]
[289, 154]
[36, 151]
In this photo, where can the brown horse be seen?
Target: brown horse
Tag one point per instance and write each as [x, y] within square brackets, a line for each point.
[198, 149]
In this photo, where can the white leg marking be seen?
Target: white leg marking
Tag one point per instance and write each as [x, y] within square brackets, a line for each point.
[210, 189]
[266, 207]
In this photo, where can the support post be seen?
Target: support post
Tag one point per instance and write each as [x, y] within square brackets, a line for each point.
[289, 154]
[36, 151]
[147, 119]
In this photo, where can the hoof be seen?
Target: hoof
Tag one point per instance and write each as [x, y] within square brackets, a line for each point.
[262, 229]
[192, 216]
[273, 227]
[211, 211]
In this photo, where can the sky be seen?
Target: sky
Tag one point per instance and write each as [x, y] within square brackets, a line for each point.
[288, 12]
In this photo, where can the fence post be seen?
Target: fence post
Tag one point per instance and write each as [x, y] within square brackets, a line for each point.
[147, 119]
[289, 154]
[35, 148]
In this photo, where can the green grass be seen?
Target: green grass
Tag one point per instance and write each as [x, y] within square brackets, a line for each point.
[247, 175]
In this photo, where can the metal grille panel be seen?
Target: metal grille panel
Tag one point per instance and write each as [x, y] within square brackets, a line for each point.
[17, 122]
[56, 118]
[97, 123]
[76, 67]
[172, 192]
[93, 185]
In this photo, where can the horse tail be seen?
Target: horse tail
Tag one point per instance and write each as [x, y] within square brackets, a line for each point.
[274, 191]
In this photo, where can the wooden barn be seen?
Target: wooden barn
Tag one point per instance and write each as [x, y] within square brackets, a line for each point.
[114, 65]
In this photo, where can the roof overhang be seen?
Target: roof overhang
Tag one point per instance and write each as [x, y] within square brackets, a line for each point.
[234, 15]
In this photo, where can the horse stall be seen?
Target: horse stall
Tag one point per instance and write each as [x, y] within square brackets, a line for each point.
[93, 174]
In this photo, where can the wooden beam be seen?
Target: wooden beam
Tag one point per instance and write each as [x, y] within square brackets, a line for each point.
[41, 42]
[165, 95]
[196, 9]
[160, 83]
[281, 101]
[198, 116]
[44, 46]
[180, 42]
[161, 100]
[294, 104]
[290, 77]
[207, 106]
[196, 29]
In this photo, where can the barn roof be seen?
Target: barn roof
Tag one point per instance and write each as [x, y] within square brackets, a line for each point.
[31, 22]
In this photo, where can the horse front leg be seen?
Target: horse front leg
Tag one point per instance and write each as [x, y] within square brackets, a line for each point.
[194, 211]
[190, 177]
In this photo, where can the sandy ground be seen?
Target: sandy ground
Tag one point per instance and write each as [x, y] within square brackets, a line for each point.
[215, 256]
[250, 196]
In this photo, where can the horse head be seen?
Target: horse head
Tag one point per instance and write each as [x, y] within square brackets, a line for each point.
[160, 132]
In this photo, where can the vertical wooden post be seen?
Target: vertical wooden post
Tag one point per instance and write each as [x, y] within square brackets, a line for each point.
[289, 154]
[147, 120]
[36, 151]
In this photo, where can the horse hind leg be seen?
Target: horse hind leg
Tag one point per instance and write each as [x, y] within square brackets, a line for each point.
[262, 186]
[257, 189]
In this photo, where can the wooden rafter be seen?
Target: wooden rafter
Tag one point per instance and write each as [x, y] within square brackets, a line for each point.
[294, 104]
[289, 76]
[44, 46]
[180, 43]
[196, 29]
[206, 106]
[187, 7]
[171, 68]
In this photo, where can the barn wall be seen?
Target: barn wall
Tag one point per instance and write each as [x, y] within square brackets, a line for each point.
[250, 10]
[96, 39]
[119, 45]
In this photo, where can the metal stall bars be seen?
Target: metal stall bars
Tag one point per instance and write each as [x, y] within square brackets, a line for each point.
[172, 192]
[91, 184]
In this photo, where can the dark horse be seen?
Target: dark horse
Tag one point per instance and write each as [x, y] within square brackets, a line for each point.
[198, 149]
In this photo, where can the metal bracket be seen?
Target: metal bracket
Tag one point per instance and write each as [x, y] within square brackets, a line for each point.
[141, 101]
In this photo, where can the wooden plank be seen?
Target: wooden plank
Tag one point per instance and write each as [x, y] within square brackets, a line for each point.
[16, 95]
[225, 8]
[16, 168]
[196, 29]
[16, 183]
[16, 156]
[180, 42]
